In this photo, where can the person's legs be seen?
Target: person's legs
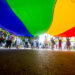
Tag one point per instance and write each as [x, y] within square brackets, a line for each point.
[32, 45]
[60, 48]
[52, 46]
[7, 43]
[10, 44]
[69, 47]
[17, 46]
[26, 44]
[0, 43]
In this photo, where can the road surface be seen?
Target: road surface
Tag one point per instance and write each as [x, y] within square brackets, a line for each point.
[37, 62]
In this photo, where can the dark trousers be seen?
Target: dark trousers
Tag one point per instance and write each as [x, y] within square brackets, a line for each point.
[26, 44]
[8, 43]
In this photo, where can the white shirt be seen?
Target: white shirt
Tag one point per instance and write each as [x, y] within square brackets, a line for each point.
[26, 39]
[18, 41]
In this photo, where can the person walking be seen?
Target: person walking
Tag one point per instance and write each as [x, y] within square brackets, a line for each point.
[9, 40]
[18, 42]
[26, 42]
[52, 43]
[1, 38]
[32, 43]
[60, 44]
[68, 43]
[37, 44]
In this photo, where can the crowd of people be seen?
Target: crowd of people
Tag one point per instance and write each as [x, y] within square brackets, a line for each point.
[10, 42]
[68, 44]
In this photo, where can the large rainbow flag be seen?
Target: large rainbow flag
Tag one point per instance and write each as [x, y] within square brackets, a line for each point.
[35, 17]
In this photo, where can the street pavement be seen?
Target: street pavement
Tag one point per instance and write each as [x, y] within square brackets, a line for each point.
[36, 62]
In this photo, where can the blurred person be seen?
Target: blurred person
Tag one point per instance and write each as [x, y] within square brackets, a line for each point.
[74, 46]
[14, 44]
[52, 43]
[49, 44]
[18, 42]
[32, 43]
[8, 41]
[40, 46]
[68, 43]
[56, 45]
[26, 42]
[60, 44]
[46, 43]
[37, 44]
[1, 40]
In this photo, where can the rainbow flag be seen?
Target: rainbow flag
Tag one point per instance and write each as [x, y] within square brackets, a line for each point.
[34, 17]
[63, 23]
